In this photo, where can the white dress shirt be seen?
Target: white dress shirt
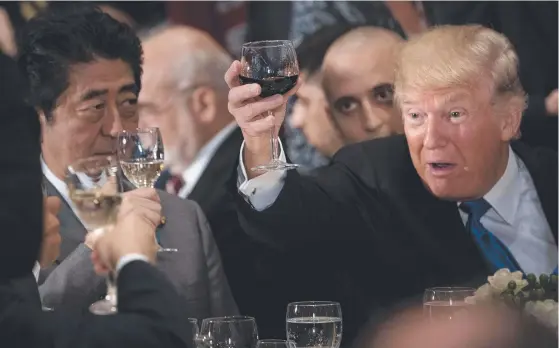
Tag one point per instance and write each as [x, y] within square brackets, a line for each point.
[192, 174]
[516, 216]
[63, 190]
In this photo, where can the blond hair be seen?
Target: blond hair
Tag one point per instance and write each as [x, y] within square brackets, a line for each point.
[459, 56]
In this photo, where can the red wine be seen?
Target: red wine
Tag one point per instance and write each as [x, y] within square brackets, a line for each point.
[272, 85]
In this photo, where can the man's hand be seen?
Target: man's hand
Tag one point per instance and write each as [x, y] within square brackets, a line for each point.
[552, 103]
[50, 247]
[134, 232]
[251, 113]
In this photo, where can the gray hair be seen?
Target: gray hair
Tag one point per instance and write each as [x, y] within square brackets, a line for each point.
[200, 65]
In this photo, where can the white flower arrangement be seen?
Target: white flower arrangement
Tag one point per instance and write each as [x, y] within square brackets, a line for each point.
[537, 298]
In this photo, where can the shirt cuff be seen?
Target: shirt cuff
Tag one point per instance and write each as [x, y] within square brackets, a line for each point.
[261, 191]
[36, 270]
[126, 259]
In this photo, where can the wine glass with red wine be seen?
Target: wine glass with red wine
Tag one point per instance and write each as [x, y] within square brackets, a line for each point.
[273, 65]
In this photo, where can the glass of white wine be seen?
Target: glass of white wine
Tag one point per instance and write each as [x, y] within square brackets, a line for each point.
[445, 303]
[94, 189]
[314, 324]
[141, 156]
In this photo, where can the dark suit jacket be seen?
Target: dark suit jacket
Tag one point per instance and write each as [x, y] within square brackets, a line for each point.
[148, 316]
[256, 272]
[375, 221]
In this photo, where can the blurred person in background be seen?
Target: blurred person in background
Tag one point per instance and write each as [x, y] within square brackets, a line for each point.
[148, 315]
[311, 113]
[306, 17]
[86, 93]
[358, 80]
[475, 327]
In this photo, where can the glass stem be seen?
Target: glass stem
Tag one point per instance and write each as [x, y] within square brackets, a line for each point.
[111, 289]
[274, 143]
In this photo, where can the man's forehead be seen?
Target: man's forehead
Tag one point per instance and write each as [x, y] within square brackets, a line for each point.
[438, 96]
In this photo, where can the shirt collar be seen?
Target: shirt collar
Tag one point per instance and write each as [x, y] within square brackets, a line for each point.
[504, 197]
[58, 184]
[194, 171]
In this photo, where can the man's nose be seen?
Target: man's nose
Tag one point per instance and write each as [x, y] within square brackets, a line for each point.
[434, 133]
[113, 123]
[371, 121]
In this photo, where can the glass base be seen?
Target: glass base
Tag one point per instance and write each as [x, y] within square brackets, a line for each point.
[167, 250]
[103, 307]
[275, 166]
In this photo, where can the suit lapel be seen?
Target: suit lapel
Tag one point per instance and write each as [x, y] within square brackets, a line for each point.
[71, 229]
[217, 172]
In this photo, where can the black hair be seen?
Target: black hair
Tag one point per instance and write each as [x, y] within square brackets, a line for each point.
[58, 38]
[313, 48]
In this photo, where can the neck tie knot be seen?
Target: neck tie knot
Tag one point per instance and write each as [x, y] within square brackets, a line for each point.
[476, 208]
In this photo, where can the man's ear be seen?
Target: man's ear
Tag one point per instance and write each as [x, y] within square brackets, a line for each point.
[203, 104]
[512, 118]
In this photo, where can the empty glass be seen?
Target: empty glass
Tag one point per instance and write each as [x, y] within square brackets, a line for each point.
[446, 302]
[228, 332]
[314, 324]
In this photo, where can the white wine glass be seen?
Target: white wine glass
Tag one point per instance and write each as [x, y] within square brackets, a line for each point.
[444, 303]
[141, 156]
[228, 332]
[273, 65]
[95, 192]
[314, 324]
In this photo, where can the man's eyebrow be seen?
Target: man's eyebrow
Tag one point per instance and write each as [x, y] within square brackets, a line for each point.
[93, 93]
[129, 88]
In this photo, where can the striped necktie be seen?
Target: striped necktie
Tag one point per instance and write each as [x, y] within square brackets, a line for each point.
[496, 254]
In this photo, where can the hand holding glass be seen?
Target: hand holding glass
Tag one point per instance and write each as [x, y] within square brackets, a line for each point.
[273, 65]
[94, 189]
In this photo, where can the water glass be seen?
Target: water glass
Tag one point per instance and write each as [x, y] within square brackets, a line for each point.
[228, 332]
[444, 303]
[314, 324]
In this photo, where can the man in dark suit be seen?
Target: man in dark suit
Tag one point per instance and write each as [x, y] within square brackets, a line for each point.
[142, 289]
[85, 92]
[448, 203]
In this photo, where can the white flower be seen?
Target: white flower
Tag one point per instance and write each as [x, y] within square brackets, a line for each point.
[546, 312]
[500, 281]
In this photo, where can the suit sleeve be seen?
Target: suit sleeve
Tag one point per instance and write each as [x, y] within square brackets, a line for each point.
[221, 297]
[325, 206]
[148, 317]
[73, 281]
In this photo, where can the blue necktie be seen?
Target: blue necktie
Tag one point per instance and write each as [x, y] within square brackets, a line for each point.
[496, 254]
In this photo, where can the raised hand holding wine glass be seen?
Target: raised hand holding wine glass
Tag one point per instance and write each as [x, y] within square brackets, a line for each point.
[141, 156]
[268, 72]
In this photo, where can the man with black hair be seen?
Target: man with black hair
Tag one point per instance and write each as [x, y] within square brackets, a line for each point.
[148, 315]
[83, 69]
[310, 111]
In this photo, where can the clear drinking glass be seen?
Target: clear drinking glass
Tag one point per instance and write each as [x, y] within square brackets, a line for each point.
[95, 191]
[314, 324]
[228, 332]
[275, 344]
[141, 155]
[273, 65]
[444, 303]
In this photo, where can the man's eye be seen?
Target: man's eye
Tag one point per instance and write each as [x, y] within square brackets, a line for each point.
[384, 94]
[455, 114]
[99, 106]
[132, 101]
[346, 105]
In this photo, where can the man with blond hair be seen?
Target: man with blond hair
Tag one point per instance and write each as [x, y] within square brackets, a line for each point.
[450, 202]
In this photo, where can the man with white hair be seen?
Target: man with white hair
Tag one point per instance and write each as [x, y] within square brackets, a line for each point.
[447, 204]
[183, 93]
